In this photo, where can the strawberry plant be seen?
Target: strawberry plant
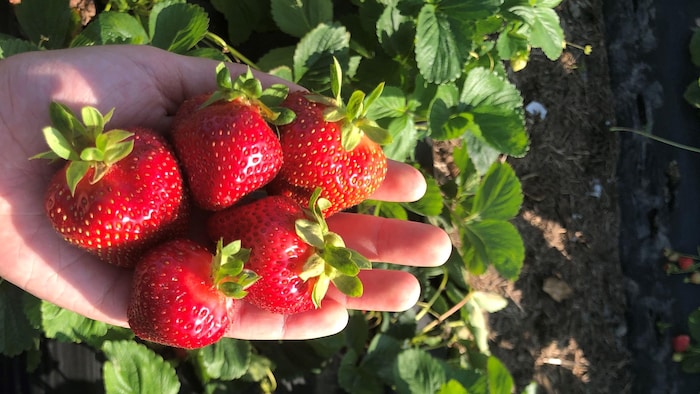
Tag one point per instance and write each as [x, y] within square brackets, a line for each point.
[437, 71]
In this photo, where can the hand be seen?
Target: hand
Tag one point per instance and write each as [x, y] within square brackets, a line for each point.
[145, 86]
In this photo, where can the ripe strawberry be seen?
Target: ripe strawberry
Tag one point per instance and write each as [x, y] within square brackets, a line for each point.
[223, 139]
[120, 191]
[180, 291]
[685, 263]
[292, 250]
[331, 146]
[680, 343]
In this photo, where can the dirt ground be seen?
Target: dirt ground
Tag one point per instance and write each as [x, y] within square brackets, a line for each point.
[565, 326]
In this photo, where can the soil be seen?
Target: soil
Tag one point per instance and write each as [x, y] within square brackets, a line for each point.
[565, 326]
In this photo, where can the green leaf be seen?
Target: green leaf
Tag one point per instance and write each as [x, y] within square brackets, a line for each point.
[694, 325]
[418, 372]
[500, 195]
[437, 48]
[13, 46]
[177, 27]
[499, 378]
[274, 95]
[694, 48]
[545, 29]
[351, 286]
[482, 154]
[431, 203]
[392, 103]
[18, 333]
[310, 232]
[357, 379]
[58, 144]
[75, 172]
[133, 368]
[298, 17]
[692, 93]
[404, 138]
[46, 23]
[112, 28]
[478, 326]
[243, 17]
[315, 52]
[68, 326]
[278, 59]
[341, 259]
[452, 387]
[395, 31]
[493, 242]
[490, 302]
[495, 106]
[227, 359]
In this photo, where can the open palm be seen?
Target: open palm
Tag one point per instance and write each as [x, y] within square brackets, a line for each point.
[145, 86]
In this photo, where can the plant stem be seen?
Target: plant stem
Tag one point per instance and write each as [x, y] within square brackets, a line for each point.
[435, 296]
[447, 314]
[657, 138]
[228, 48]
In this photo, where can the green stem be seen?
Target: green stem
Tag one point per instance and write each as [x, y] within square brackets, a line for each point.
[228, 48]
[455, 308]
[424, 311]
[657, 138]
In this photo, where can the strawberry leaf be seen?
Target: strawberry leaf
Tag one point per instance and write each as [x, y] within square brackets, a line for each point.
[223, 77]
[310, 232]
[93, 121]
[341, 260]
[274, 95]
[117, 151]
[177, 27]
[74, 173]
[228, 271]
[320, 289]
[314, 266]
[355, 106]
[336, 80]
[92, 154]
[349, 285]
[372, 97]
[131, 367]
[375, 132]
[59, 144]
[351, 136]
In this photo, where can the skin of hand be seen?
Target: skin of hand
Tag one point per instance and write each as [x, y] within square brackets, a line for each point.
[145, 85]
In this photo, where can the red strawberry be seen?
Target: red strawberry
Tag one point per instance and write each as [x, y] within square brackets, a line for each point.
[120, 192]
[292, 250]
[332, 147]
[685, 263]
[680, 343]
[223, 139]
[180, 291]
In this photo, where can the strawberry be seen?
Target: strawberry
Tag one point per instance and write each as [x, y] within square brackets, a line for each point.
[331, 146]
[120, 192]
[680, 343]
[180, 292]
[224, 141]
[685, 263]
[292, 250]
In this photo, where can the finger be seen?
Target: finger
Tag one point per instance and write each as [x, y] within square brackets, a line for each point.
[384, 290]
[250, 322]
[392, 240]
[403, 183]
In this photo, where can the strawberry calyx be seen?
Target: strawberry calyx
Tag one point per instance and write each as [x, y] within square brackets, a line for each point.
[247, 88]
[85, 144]
[331, 262]
[353, 116]
[228, 272]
